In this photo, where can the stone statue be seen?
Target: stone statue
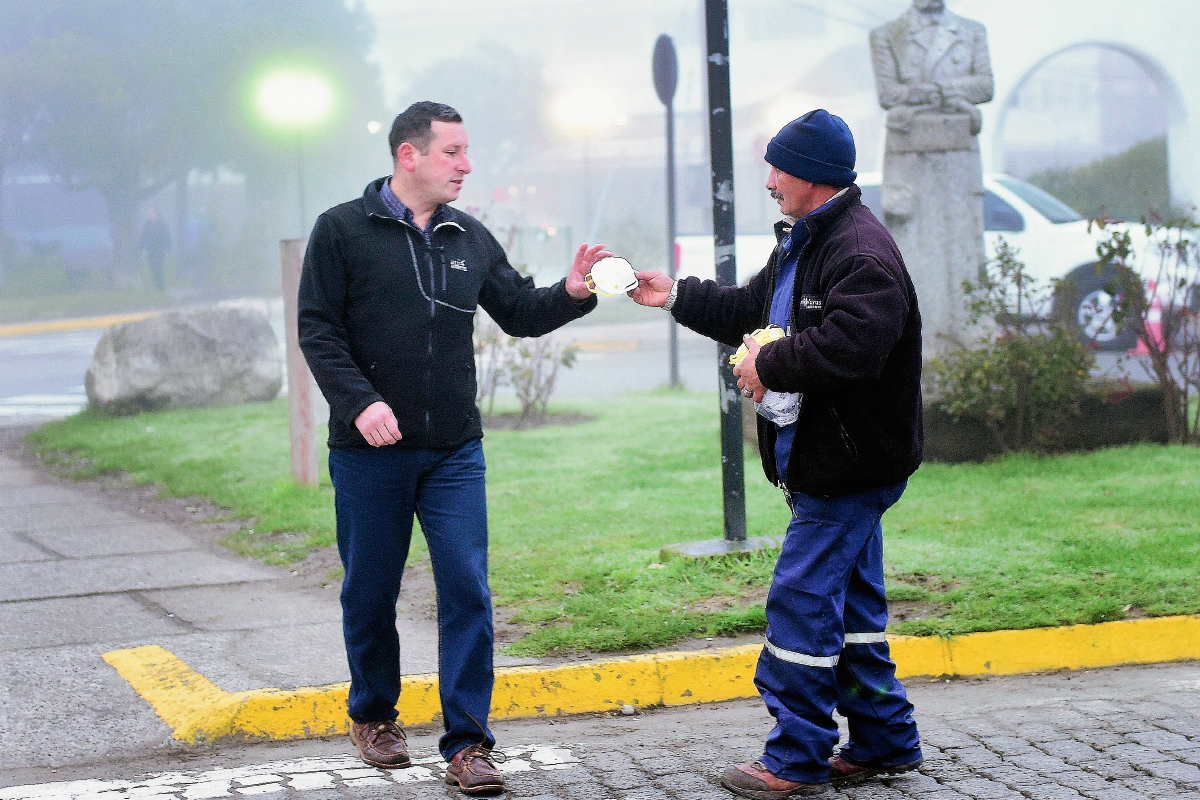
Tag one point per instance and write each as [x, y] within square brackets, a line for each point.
[931, 70]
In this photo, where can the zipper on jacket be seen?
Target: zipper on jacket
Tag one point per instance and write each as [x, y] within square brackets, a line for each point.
[433, 304]
[429, 347]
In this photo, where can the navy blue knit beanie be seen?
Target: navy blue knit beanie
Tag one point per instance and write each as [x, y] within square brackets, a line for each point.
[818, 148]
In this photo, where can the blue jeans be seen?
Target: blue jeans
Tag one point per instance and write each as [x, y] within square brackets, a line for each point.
[826, 613]
[376, 494]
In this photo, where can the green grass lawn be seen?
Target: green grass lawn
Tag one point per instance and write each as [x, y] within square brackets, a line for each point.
[578, 514]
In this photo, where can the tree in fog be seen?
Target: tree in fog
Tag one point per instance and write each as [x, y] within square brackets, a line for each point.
[501, 96]
[132, 95]
[20, 106]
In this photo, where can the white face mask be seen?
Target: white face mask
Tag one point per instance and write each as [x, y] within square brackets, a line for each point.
[611, 276]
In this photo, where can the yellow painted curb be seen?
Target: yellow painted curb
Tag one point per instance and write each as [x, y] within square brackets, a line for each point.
[83, 323]
[195, 709]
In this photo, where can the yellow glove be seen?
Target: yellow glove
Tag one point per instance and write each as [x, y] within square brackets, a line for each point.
[763, 336]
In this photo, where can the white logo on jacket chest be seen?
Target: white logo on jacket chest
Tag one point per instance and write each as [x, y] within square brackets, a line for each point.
[459, 264]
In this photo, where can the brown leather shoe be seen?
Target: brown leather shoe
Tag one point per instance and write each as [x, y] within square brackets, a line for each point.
[380, 744]
[473, 771]
[845, 773]
[754, 781]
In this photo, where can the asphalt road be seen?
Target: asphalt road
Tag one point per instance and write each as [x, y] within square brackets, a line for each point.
[42, 375]
[624, 350]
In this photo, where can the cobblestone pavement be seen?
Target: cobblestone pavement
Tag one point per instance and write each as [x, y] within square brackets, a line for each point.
[1130, 732]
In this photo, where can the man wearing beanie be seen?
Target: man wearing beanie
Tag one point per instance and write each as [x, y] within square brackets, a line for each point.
[840, 432]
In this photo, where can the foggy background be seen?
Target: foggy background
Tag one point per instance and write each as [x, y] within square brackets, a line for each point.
[109, 108]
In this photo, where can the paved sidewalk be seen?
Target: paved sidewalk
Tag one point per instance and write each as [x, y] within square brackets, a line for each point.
[1117, 734]
[80, 575]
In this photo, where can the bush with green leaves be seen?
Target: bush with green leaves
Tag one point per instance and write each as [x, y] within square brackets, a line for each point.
[1160, 302]
[1025, 372]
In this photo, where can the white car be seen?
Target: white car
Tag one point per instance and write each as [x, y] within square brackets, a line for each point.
[1052, 240]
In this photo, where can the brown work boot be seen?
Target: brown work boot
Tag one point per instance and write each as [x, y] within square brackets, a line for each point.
[754, 781]
[380, 744]
[847, 773]
[473, 770]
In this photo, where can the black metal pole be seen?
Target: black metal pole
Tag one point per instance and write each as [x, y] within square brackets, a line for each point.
[672, 266]
[720, 127]
[666, 80]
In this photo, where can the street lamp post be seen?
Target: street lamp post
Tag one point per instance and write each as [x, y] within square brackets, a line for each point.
[295, 101]
[666, 79]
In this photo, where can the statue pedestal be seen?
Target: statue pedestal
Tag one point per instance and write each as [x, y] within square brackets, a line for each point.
[932, 199]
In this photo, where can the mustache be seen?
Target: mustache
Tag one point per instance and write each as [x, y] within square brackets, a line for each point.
[775, 195]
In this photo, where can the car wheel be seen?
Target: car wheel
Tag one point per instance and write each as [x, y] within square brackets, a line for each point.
[1084, 301]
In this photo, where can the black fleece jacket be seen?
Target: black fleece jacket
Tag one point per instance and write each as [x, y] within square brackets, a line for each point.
[855, 353]
[383, 316]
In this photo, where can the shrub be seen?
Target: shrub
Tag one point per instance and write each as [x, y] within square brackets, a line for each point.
[1026, 374]
[529, 366]
[1159, 303]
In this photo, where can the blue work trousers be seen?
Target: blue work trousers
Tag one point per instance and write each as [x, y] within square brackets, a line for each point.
[826, 614]
[376, 494]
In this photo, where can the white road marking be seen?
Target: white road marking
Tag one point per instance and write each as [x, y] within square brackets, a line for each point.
[44, 405]
[297, 775]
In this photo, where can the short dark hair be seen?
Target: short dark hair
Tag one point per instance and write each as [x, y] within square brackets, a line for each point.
[415, 125]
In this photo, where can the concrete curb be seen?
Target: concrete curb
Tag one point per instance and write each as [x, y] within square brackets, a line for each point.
[197, 710]
[84, 323]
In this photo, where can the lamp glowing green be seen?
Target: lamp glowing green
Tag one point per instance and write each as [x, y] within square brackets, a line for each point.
[294, 99]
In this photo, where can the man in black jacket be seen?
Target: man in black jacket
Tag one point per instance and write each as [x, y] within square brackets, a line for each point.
[840, 432]
[387, 300]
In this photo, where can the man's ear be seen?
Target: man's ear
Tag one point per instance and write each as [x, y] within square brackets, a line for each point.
[406, 155]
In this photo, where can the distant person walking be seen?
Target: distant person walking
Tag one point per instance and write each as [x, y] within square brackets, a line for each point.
[839, 430]
[155, 242]
[197, 256]
[387, 304]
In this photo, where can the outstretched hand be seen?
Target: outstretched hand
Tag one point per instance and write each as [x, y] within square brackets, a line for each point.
[652, 290]
[585, 258]
[747, 372]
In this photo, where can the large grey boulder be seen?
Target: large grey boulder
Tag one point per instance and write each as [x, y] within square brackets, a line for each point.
[185, 359]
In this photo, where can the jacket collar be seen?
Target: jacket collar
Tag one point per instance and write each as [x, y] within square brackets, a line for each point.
[820, 220]
[375, 207]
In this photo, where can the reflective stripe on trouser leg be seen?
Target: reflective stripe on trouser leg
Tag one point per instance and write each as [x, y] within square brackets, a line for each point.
[808, 612]
[800, 658]
[866, 638]
[877, 711]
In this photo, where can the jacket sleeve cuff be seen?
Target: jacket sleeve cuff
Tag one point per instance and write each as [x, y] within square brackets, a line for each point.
[765, 364]
[680, 286]
[583, 306]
